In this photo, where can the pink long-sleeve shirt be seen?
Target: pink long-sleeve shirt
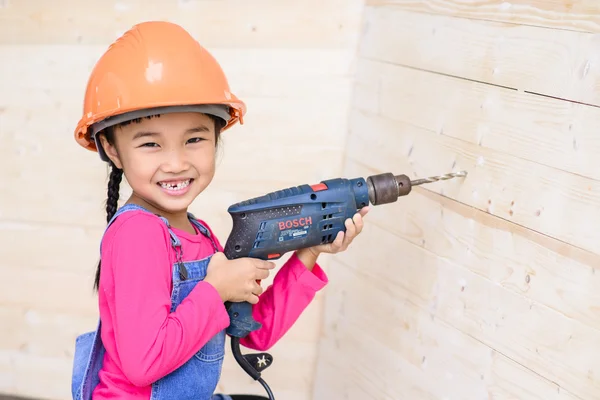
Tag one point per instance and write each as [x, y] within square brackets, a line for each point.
[145, 341]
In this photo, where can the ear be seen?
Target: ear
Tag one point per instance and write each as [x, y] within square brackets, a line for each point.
[111, 151]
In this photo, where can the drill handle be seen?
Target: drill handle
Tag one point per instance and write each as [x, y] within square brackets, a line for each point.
[241, 320]
[240, 313]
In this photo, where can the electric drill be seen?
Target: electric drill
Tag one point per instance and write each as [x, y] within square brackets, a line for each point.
[271, 225]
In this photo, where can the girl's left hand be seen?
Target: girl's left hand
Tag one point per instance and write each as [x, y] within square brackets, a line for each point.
[353, 227]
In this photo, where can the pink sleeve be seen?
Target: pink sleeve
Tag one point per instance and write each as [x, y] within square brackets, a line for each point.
[282, 303]
[152, 341]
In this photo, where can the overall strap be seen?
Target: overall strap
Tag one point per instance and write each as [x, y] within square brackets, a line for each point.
[204, 230]
[175, 242]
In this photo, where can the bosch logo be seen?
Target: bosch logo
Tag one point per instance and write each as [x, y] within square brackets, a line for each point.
[295, 223]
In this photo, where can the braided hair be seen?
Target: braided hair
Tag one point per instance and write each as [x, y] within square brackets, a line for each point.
[116, 176]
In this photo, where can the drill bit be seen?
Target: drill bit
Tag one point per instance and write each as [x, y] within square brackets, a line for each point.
[438, 178]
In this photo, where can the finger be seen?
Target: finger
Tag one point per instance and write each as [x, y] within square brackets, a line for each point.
[350, 229]
[358, 223]
[351, 232]
[338, 241]
[219, 255]
[257, 289]
[261, 273]
[363, 211]
[261, 264]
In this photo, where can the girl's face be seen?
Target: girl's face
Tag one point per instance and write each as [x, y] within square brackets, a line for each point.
[167, 160]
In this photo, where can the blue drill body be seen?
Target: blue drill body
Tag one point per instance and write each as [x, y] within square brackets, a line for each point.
[271, 225]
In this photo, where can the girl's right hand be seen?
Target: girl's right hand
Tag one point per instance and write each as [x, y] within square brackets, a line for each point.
[236, 280]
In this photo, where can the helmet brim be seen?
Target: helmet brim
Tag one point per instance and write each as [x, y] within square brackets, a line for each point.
[216, 110]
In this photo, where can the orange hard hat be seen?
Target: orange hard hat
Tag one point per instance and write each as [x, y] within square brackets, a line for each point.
[154, 68]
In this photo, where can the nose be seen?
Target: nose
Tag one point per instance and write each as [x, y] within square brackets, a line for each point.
[175, 161]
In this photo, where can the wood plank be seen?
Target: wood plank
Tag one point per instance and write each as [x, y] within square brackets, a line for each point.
[543, 269]
[550, 62]
[531, 334]
[57, 288]
[550, 201]
[5, 397]
[538, 257]
[57, 247]
[381, 343]
[581, 15]
[231, 23]
[548, 131]
[34, 376]
[43, 333]
[552, 132]
[254, 72]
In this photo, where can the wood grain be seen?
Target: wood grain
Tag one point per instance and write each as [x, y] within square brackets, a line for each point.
[580, 15]
[230, 23]
[530, 334]
[538, 267]
[550, 201]
[561, 64]
[552, 132]
[483, 287]
[51, 374]
[59, 248]
[45, 333]
[385, 340]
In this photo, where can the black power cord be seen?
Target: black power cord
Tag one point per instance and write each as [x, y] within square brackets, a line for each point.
[246, 366]
[267, 388]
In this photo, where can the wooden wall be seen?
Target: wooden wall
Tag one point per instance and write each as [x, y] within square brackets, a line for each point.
[290, 61]
[476, 288]
[487, 287]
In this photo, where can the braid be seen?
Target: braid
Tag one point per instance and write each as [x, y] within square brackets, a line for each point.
[112, 200]
[112, 204]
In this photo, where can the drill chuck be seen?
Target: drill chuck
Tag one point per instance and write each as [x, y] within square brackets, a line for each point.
[387, 187]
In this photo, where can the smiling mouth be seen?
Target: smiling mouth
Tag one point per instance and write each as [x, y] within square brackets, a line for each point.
[175, 185]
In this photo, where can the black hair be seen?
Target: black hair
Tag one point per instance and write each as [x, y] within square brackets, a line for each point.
[116, 175]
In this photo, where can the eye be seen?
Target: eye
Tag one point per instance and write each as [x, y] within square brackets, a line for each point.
[196, 140]
[149, 144]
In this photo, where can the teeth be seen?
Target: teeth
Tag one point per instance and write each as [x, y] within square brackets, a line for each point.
[176, 186]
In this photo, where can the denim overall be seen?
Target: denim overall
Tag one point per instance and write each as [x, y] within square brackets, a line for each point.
[198, 377]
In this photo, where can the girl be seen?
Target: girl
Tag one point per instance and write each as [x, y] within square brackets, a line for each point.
[155, 106]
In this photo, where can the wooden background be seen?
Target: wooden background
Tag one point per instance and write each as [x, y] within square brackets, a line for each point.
[485, 288]
[476, 288]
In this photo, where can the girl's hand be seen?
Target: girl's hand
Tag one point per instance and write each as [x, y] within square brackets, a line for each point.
[353, 227]
[237, 280]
